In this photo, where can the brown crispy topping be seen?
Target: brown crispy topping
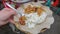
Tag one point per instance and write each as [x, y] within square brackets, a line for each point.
[39, 11]
[31, 9]
[22, 20]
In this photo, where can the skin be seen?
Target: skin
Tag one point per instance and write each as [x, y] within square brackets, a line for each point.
[5, 15]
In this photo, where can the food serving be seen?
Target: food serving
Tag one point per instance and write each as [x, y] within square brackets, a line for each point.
[34, 18]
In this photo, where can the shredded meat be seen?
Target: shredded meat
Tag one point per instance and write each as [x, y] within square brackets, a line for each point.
[22, 20]
[28, 9]
[31, 9]
[39, 11]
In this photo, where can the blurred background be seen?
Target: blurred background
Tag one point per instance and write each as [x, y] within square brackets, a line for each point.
[55, 27]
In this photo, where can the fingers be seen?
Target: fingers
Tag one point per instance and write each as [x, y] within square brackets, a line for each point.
[6, 13]
[3, 22]
[10, 11]
[11, 21]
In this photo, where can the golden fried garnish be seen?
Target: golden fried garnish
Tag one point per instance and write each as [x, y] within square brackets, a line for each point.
[30, 9]
[34, 9]
[39, 11]
[22, 20]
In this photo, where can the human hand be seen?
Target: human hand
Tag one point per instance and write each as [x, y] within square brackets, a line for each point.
[5, 15]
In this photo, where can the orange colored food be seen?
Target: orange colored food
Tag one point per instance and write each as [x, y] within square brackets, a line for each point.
[34, 9]
[31, 9]
[39, 11]
[22, 20]
[28, 9]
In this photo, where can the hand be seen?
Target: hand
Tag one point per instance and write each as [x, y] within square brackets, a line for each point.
[5, 15]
